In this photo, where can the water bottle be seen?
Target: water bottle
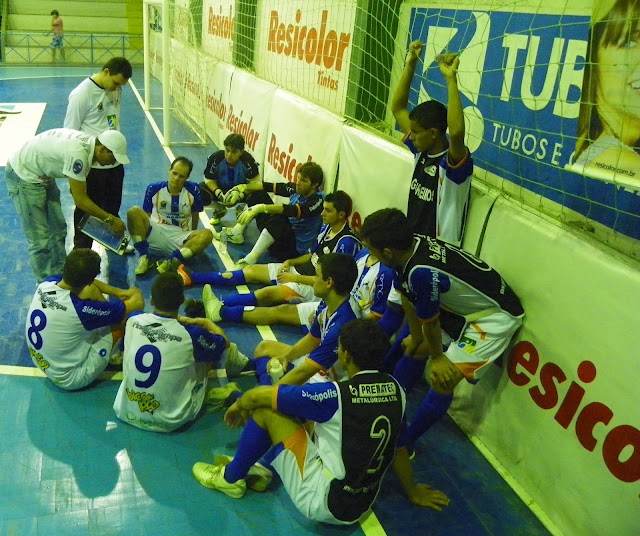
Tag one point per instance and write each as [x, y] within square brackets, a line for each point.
[222, 249]
[275, 370]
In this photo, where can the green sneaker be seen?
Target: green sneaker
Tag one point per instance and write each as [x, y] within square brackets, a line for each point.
[212, 477]
[217, 396]
[212, 304]
[258, 477]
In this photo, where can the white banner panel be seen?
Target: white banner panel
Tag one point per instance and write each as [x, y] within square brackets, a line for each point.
[375, 172]
[155, 53]
[18, 124]
[305, 46]
[299, 132]
[218, 28]
[563, 417]
[249, 116]
[217, 101]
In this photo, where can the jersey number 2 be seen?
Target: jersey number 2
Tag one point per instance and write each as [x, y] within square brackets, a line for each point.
[380, 430]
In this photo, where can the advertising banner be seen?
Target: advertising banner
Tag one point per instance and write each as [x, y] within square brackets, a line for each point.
[218, 27]
[375, 172]
[305, 46]
[300, 132]
[561, 414]
[217, 101]
[521, 81]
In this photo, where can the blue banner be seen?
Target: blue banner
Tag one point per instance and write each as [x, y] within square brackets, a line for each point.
[520, 79]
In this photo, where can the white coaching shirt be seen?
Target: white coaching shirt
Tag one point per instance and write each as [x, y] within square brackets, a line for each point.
[92, 109]
[164, 383]
[64, 331]
[53, 154]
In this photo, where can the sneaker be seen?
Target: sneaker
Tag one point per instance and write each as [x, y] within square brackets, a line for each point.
[194, 308]
[168, 265]
[217, 396]
[212, 304]
[212, 477]
[231, 236]
[258, 477]
[185, 273]
[144, 265]
[217, 216]
[117, 358]
[236, 361]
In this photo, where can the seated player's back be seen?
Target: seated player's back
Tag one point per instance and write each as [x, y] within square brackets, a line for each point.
[164, 372]
[63, 331]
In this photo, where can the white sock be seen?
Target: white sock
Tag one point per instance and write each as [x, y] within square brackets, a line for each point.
[262, 244]
[238, 229]
[136, 238]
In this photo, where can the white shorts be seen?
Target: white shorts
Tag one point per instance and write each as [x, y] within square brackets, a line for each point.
[165, 239]
[307, 484]
[481, 343]
[94, 364]
[305, 310]
[302, 293]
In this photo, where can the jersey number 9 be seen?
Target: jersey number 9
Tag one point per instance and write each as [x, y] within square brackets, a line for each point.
[152, 369]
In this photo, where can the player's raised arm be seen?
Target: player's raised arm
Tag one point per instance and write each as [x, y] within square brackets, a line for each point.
[448, 64]
[400, 98]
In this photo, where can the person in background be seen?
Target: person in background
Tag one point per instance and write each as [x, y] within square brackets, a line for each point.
[58, 35]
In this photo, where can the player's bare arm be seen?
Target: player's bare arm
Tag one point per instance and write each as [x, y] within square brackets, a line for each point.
[84, 203]
[400, 98]
[299, 375]
[448, 64]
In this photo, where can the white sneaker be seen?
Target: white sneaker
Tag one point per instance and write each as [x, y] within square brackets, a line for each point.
[212, 304]
[236, 361]
[212, 477]
[144, 265]
[258, 477]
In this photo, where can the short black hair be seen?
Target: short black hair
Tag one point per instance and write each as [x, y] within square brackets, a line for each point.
[55, 12]
[235, 141]
[167, 291]
[387, 228]
[366, 342]
[184, 160]
[430, 114]
[341, 268]
[119, 65]
[81, 267]
[340, 200]
[313, 172]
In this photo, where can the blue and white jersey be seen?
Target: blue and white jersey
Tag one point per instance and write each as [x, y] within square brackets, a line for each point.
[358, 422]
[372, 286]
[161, 382]
[172, 209]
[327, 328]
[344, 241]
[62, 329]
[439, 195]
[306, 228]
[227, 177]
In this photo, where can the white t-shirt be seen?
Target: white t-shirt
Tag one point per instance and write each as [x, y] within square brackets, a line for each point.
[163, 381]
[92, 109]
[53, 154]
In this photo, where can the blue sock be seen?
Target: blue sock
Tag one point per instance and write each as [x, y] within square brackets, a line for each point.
[432, 408]
[261, 370]
[142, 247]
[408, 371]
[232, 314]
[241, 299]
[254, 443]
[177, 255]
[216, 279]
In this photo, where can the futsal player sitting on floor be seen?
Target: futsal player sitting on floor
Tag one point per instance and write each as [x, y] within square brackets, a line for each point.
[166, 361]
[286, 231]
[335, 477]
[72, 331]
[166, 225]
[315, 353]
[289, 281]
[449, 296]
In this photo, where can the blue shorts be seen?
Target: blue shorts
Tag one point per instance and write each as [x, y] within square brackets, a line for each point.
[56, 42]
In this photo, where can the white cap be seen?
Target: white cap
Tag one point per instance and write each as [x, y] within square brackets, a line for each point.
[116, 143]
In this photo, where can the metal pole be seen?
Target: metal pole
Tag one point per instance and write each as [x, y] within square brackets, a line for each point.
[145, 50]
[166, 45]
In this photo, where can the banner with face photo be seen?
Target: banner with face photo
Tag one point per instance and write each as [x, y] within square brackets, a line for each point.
[521, 84]
[608, 135]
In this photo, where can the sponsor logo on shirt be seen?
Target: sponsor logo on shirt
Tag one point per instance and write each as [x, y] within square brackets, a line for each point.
[374, 393]
[319, 397]
[77, 166]
[50, 302]
[93, 311]
[155, 332]
[146, 401]
[422, 192]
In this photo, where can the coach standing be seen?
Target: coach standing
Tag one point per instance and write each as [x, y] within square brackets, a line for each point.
[94, 106]
[30, 174]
